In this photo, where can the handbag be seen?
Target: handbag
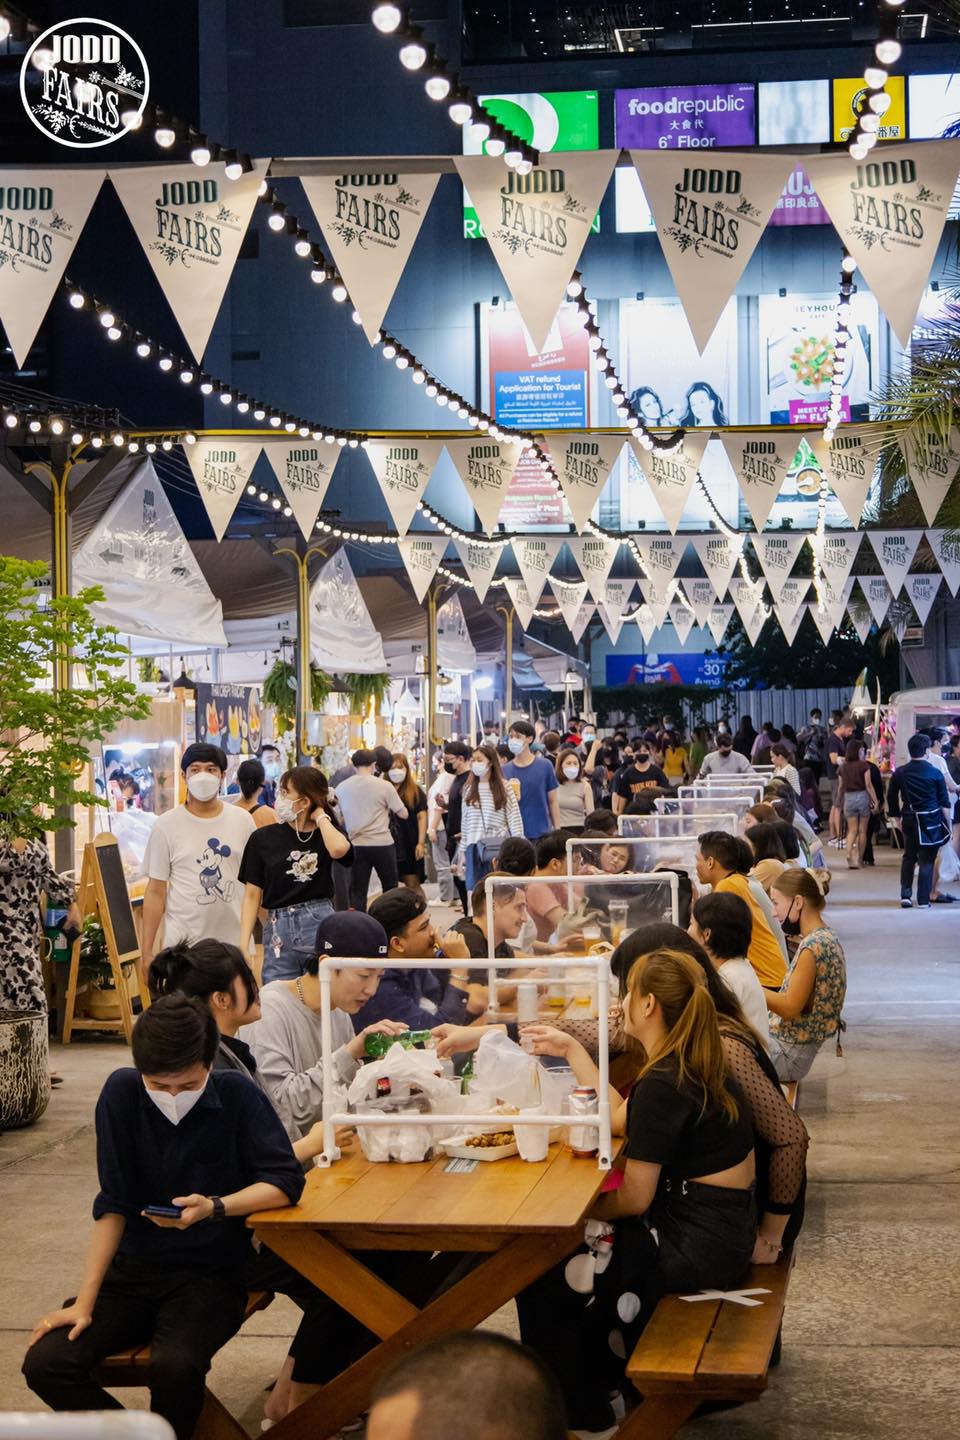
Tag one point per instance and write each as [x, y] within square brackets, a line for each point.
[932, 829]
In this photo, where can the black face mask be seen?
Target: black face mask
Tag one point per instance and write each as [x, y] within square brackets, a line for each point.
[642, 758]
[449, 766]
[790, 926]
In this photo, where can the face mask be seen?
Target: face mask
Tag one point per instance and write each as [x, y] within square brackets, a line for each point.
[789, 926]
[515, 746]
[588, 737]
[175, 1107]
[203, 786]
[286, 810]
[480, 768]
[396, 775]
[642, 758]
[449, 767]
[272, 771]
[572, 772]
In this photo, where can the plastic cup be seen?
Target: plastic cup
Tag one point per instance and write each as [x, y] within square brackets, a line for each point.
[619, 911]
[533, 1141]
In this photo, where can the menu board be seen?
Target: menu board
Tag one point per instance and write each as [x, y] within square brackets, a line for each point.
[229, 716]
[796, 357]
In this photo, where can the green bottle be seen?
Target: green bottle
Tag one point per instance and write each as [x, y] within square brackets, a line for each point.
[376, 1046]
[466, 1075]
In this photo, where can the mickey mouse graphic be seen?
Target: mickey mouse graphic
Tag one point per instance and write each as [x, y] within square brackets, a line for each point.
[211, 874]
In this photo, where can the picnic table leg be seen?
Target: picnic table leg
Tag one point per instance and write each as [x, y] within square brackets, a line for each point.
[495, 1280]
[216, 1422]
[658, 1417]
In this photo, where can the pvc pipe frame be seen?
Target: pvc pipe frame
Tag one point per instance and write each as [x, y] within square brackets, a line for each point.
[332, 1117]
[712, 815]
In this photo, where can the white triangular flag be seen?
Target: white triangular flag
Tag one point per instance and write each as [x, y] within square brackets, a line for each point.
[932, 463]
[616, 598]
[570, 598]
[537, 224]
[718, 620]
[191, 222]
[304, 469]
[747, 595]
[790, 624]
[848, 464]
[895, 550]
[719, 555]
[581, 620]
[535, 555]
[922, 591]
[521, 599]
[486, 468]
[761, 461]
[403, 468]
[370, 223]
[594, 555]
[671, 475]
[700, 597]
[42, 213]
[834, 599]
[792, 596]
[658, 608]
[659, 555]
[754, 621]
[710, 211]
[480, 562]
[777, 554]
[646, 623]
[584, 464]
[613, 624]
[889, 210]
[823, 622]
[222, 468]
[836, 551]
[681, 618]
[422, 554]
[861, 620]
[945, 545]
[877, 594]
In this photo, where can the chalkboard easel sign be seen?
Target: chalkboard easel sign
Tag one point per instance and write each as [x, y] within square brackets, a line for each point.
[103, 892]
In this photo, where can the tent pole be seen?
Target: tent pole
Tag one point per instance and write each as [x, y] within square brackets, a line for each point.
[301, 554]
[507, 611]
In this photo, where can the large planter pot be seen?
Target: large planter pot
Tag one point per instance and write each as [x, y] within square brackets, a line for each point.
[101, 1003]
[24, 1067]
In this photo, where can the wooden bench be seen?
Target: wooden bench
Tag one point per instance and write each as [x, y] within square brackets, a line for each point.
[705, 1350]
[129, 1367]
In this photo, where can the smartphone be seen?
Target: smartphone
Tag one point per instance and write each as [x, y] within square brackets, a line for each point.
[164, 1212]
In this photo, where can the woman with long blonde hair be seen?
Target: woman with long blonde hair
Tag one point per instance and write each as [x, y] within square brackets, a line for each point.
[682, 1218]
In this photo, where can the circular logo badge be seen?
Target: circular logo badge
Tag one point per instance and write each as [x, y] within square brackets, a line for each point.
[94, 83]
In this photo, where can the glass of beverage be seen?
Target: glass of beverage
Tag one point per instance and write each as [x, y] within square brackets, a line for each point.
[580, 986]
[619, 910]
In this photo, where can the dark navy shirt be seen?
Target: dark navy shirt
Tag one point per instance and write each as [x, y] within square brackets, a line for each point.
[918, 785]
[421, 998]
[230, 1139]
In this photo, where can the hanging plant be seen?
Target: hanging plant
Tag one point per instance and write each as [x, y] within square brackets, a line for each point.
[361, 689]
[279, 690]
[148, 669]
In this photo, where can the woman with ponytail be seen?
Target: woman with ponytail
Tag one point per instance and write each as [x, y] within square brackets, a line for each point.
[683, 1216]
[810, 1000]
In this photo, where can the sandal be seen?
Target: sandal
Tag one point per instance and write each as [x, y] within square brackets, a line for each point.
[945, 900]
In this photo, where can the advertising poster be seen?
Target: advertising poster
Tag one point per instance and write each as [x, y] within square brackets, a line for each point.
[685, 117]
[634, 216]
[656, 668]
[556, 120]
[848, 97]
[796, 357]
[935, 115]
[793, 112]
[799, 204]
[229, 715]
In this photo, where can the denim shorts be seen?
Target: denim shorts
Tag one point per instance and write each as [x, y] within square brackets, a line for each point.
[289, 939]
[856, 802]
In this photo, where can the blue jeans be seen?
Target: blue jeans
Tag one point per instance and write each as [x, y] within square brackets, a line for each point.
[289, 939]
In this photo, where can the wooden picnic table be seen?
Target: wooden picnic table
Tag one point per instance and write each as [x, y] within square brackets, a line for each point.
[521, 1218]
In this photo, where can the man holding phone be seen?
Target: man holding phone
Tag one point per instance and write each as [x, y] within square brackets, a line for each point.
[184, 1153]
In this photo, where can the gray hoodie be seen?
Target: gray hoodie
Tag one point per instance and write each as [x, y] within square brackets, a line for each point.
[286, 1041]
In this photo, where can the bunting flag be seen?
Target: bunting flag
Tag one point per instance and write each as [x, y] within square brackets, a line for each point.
[480, 563]
[646, 623]
[932, 462]
[761, 461]
[612, 623]
[658, 608]
[370, 223]
[681, 618]
[659, 556]
[895, 550]
[486, 468]
[848, 464]
[718, 620]
[584, 464]
[823, 622]
[616, 598]
[877, 594]
[718, 556]
[191, 222]
[710, 211]
[570, 598]
[304, 469]
[790, 624]
[671, 475]
[222, 468]
[594, 555]
[747, 595]
[422, 554]
[922, 591]
[861, 620]
[42, 213]
[403, 469]
[754, 621]
[535, 555]
[836, 551]
[791, 598]
[581, 620]
[537, 224]
[835, 599]
[946, 549]
[699, 596]
[889, 210]
[777, 554]
[520, 599]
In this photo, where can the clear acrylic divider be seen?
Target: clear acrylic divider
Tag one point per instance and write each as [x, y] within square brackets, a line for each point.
[672, 827]
[696, 805]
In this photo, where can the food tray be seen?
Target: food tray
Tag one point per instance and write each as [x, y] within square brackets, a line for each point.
[478, 1152]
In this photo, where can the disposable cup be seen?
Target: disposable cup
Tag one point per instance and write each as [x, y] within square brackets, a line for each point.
[533, 1141]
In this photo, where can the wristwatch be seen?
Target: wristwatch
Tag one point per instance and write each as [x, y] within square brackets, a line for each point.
[219, 1211]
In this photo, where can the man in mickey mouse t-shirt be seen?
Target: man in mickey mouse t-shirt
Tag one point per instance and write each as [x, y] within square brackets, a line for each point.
[193, 860]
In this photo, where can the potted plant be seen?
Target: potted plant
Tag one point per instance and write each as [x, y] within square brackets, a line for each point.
[362, 689]
[280, 691]
[95, 974]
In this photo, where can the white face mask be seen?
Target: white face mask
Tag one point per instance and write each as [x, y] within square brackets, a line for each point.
[203, 786]
[572, 772]
[175, 1107]
[286, 811]
[397, 775]
[516, 745]
[480, 768]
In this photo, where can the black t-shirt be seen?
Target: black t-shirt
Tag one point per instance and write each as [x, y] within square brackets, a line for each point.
[453, 816]
[288, 870]
[665, 1126]
[477, 942]
[836, 750]
[630, 781]
[406, 833]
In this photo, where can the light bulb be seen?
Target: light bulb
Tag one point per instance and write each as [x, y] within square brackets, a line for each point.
[858, 151]
[151, 447]
[318, 275]
[166, 444]
[143, 349]
[524, 167]
[388, 351]
[206, 387]
[880, 103]
[387, 18]
[189, 438]
[77, 299]
[34, 427]
[462, 412]
[289, 426]
[413, 56]
[304, 431]
[495, 146]
[201, 153]
[133, 447]
[97, 442]
[259, 413]
[402, 362]
[418, 377]
[302, 248]
[243, 406]
[479, 131]
[77, 438]
[233, 169]
[512, 157]
[165, 362]
[114, 333]
[117, 439]
[287, 511]
[356, 317]
[186, 377]
[131, 118]
[263, 497]
[431, 390]
[473, 420]
[848, 265]
[225, 397]
[165, 136]
[437, 87]
[460, 112]
[574, 288]
[868, 140]
[341, 441]
[875, 76]
[353, 442]
[275, 503]
[443, 400]
[869, 123]
[107, 318]
[275, 220]
[339, 292]
[888, 52]
[275, 421]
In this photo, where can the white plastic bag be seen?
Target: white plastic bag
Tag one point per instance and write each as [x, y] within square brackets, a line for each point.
[949, 866]
[404, 1068]
[504, 1072]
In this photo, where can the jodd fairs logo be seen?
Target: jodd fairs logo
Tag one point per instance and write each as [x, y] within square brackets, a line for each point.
[94, 83]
